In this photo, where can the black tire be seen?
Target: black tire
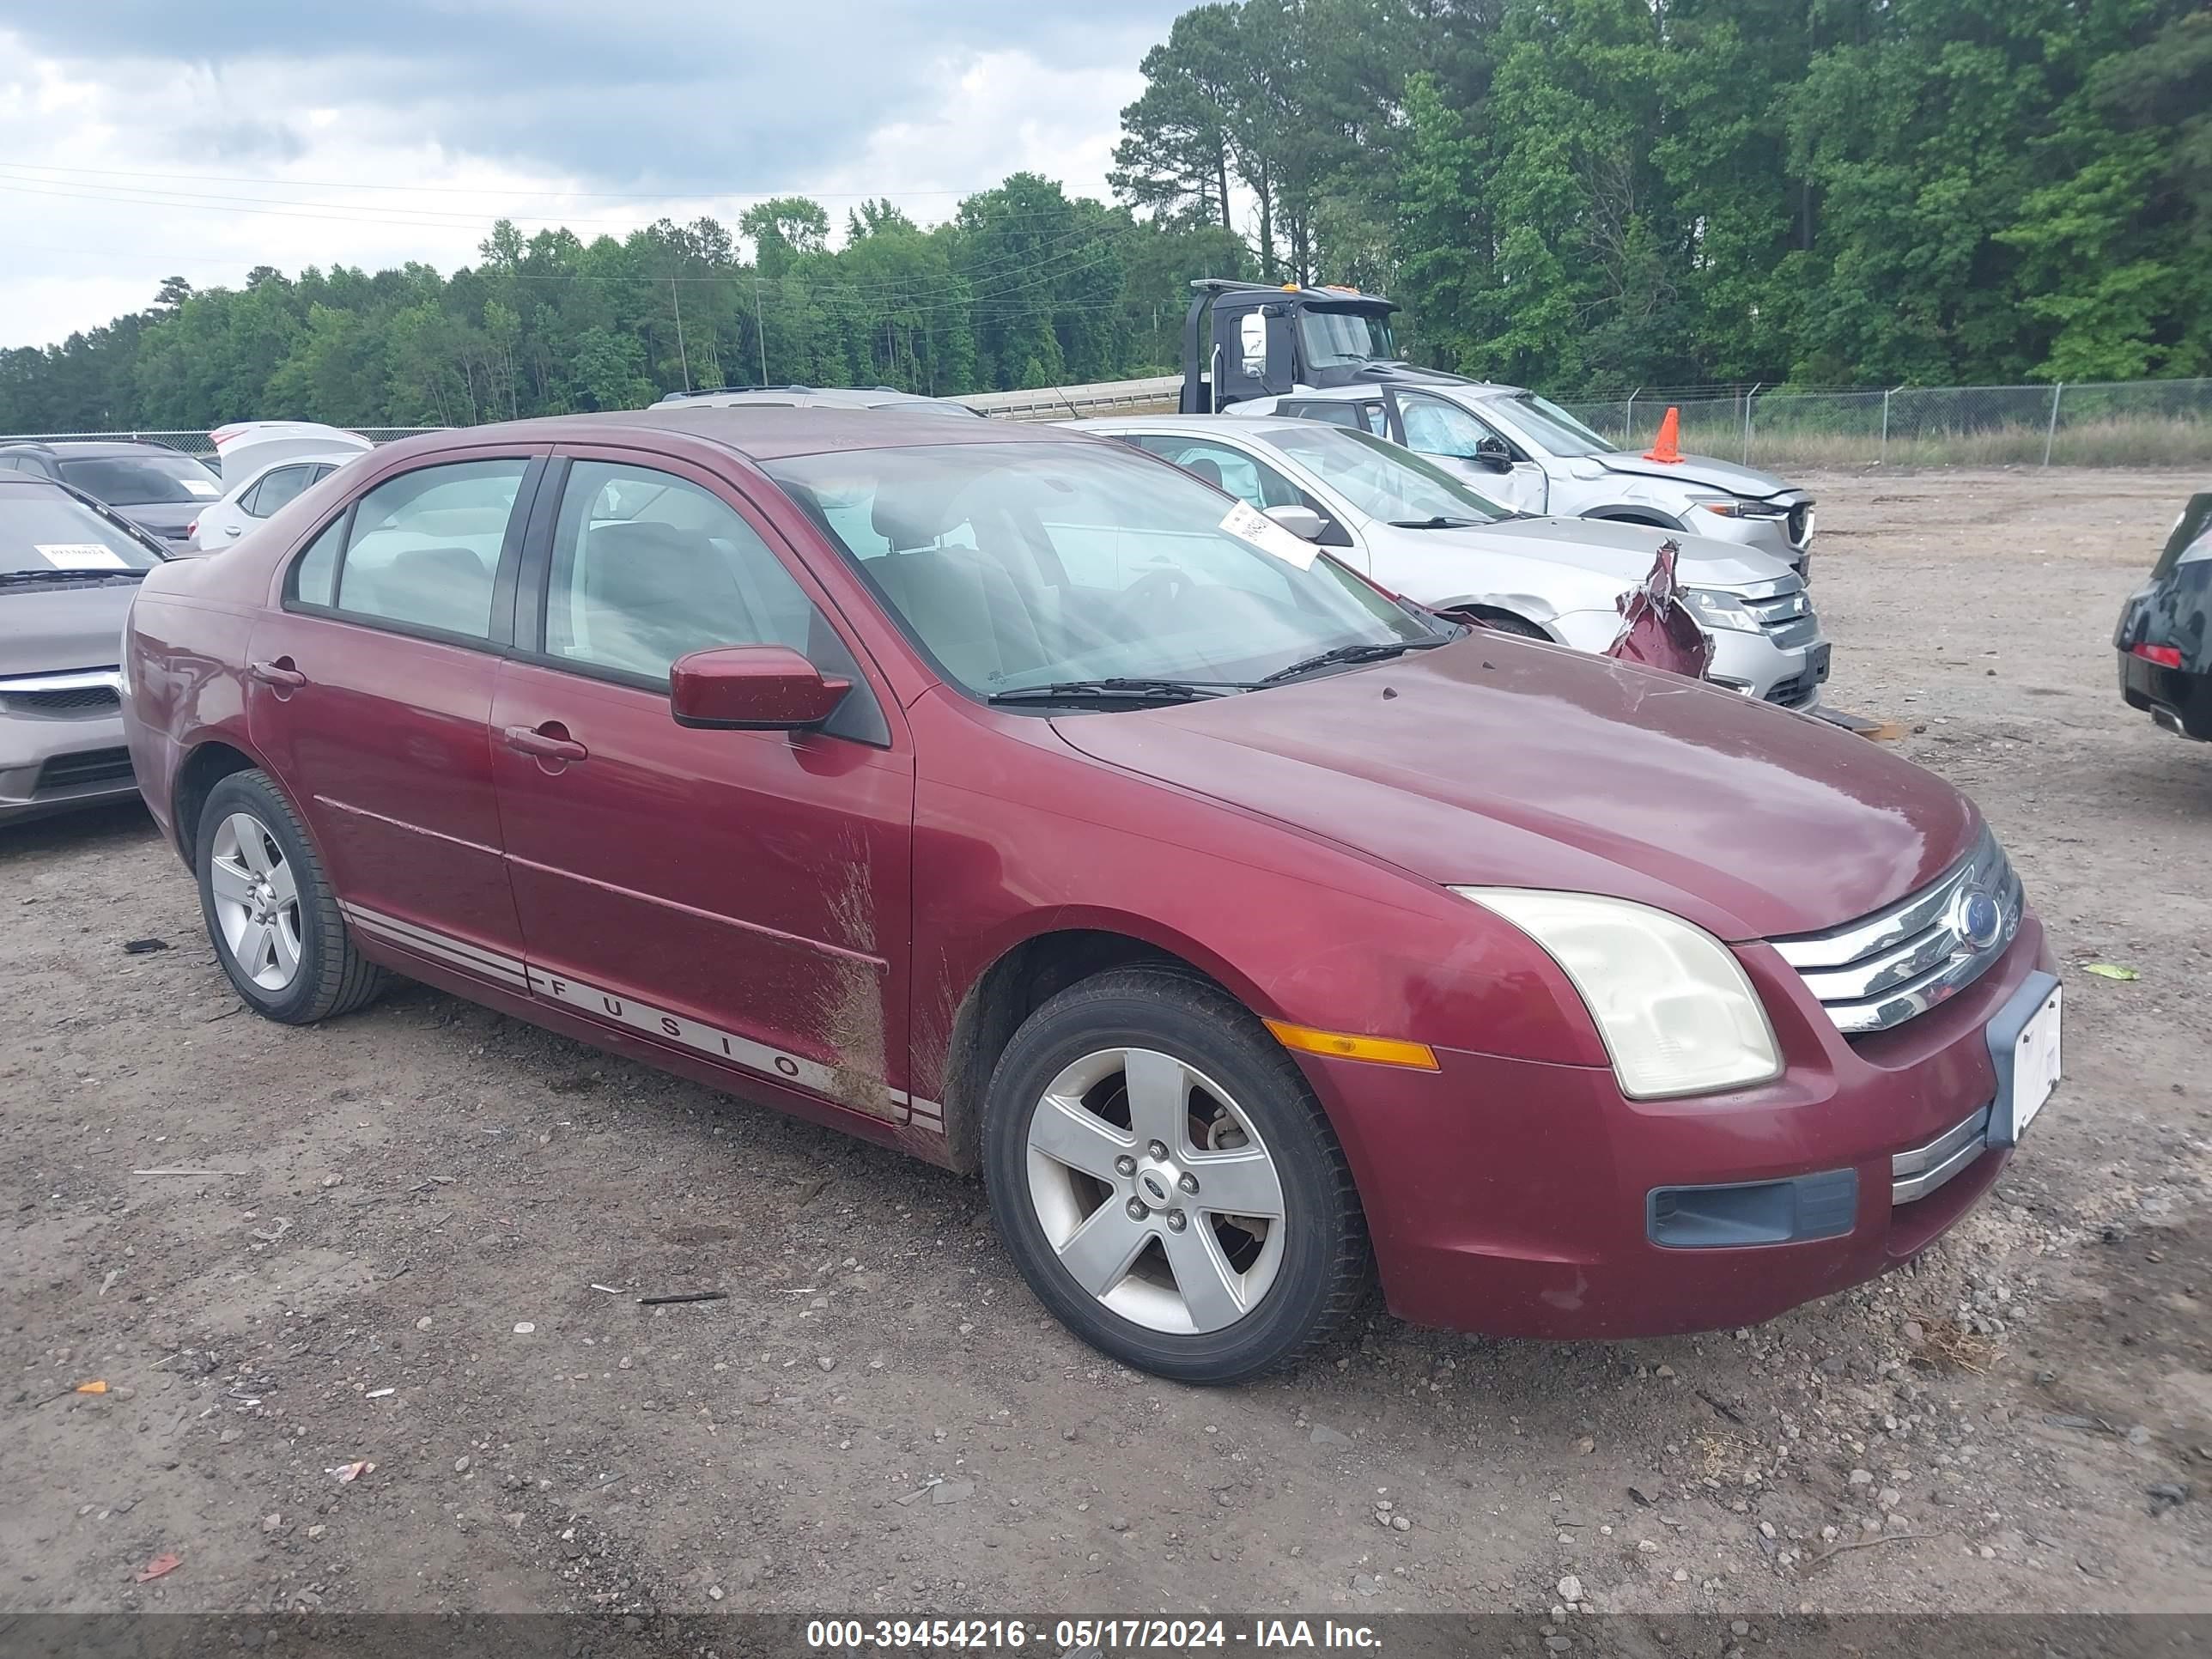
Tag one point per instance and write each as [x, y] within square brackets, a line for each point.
[332, 978]
[1327, 1267]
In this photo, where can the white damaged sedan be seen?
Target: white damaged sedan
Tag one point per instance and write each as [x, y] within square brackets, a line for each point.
[1419, 531]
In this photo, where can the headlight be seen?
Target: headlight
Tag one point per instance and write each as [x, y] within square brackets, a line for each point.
[1731, 507]
[1715, 607]
[1676, 1012]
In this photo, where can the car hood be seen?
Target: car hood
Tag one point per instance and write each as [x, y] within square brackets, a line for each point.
[1608, 548]
[55, 630]
[1698, 470]
[1501, 763]
[167, 520]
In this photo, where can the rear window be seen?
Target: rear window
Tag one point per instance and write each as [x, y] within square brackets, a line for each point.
[43, 529]
[153, 479]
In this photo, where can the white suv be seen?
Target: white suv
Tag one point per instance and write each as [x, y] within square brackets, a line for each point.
[1529, 453]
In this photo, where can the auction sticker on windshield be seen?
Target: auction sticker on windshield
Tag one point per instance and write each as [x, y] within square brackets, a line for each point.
[1247, 523]
[80, 555]
[200, 487]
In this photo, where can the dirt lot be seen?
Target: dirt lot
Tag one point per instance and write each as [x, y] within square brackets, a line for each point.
[401, 1266]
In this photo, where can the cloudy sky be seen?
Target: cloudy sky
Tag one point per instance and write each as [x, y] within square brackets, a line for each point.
[139, 141]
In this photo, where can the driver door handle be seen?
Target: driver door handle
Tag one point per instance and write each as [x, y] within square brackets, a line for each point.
[550, 741]
[279, 673]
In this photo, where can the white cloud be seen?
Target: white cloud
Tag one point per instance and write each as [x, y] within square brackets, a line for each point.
[115, 175]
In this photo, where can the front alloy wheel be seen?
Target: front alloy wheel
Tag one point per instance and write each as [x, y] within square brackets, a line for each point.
[1166, 1180]
[1155, 1192]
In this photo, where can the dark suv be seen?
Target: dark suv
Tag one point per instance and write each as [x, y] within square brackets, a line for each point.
[2164, 635]
[158, 489]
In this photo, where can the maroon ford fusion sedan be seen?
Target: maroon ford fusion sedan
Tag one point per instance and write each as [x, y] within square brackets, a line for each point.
[1010, 797]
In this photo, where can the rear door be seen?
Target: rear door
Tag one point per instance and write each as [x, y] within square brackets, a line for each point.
[370, 694]
[743, 895]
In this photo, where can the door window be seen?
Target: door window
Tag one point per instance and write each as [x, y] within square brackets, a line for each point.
[421, 551]
[1339, 412]
[1243, 476]
[648, 567]
[1435, 428]
[278, 486]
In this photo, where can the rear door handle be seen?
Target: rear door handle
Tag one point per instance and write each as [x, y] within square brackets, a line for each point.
[280, 673]
[549, 742]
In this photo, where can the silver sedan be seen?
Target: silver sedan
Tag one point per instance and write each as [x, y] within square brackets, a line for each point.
[1419, 531]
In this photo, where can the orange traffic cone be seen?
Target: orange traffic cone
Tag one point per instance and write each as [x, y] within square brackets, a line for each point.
[1668, 445]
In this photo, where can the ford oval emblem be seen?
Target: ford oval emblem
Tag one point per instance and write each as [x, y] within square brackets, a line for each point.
[1979, 919]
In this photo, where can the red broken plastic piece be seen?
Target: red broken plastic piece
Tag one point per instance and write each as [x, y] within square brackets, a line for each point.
[1656, 628]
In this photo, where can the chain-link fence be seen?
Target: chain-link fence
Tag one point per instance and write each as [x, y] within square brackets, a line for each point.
[2121, 423]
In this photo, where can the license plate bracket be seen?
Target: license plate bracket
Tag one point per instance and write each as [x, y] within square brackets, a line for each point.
[2024, 1041]
[1818, 662]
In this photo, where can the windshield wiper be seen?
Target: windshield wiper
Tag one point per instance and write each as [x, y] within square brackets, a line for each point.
[1437, 522]
[1375, 651]
[1119, 690]
[12, 578]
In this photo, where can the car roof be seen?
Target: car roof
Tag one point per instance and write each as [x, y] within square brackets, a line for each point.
[72, 448]
[1227, 426]
[1361, 391]
[757, 432]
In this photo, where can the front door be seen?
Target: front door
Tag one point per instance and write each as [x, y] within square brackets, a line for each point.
[370, 695]
[740, 895]
[1450, 436]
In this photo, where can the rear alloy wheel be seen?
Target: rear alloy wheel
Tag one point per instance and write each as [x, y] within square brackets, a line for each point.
[1166, 1180]
[270, 910]
[257, 902]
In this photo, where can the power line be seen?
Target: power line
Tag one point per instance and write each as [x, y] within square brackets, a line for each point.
[12, 177]
[472, 189]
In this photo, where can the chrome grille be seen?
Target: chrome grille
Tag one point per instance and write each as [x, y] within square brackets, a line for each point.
[1879, 972]
[62, 695]
[1787, 617]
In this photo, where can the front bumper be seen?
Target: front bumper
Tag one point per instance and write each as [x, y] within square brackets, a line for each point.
[1751, 665]
[54, 764]
[1515, 1198]
[1757, 667]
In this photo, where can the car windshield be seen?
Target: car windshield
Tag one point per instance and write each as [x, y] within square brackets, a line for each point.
[45, 530]
[156, 478]
[1550, 427]
[1024, 564]
[1336, 339]
[1383, 479]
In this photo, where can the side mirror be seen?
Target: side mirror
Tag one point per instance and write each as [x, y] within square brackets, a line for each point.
[751, 687]
[1492, 453]
[1301, 521]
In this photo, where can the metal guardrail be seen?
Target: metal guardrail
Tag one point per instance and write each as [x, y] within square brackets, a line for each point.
[2121, 423]
[1067, 402]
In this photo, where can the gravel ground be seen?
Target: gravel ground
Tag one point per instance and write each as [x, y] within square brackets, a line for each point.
[401, 1266]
